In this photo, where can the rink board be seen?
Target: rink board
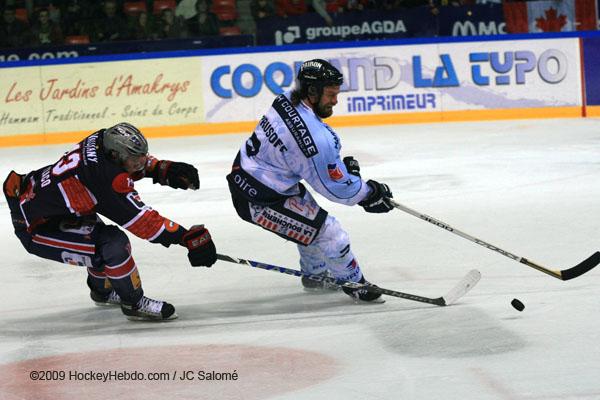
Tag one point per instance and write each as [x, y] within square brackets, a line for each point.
[226, 91]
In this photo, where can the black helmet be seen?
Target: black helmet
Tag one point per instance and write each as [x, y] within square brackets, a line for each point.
[124, 140]
[318, 73]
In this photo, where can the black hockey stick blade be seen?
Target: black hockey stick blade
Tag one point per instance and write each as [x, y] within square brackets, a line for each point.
[586, 265]
[459, 290]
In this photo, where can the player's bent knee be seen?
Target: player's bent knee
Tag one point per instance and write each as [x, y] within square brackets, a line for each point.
[333, 241]
[113, 242]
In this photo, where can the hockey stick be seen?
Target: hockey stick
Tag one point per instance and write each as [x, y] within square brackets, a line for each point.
[454, 294]
[564, 275]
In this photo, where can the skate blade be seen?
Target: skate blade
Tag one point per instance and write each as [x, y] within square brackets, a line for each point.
[320, 290]
[139, 318]
[366, 303]
[106, 304]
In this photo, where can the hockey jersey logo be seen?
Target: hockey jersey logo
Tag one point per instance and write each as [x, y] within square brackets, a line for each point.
[296, 125]
[334, 172]
[123, 183]
[252, 145]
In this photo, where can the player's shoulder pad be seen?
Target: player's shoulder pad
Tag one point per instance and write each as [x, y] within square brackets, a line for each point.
[122, 183]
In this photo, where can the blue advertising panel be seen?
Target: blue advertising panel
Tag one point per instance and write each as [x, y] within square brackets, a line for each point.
[141, 46]
[591, 59]
[476, 20]
[374, 24]
[366, 25]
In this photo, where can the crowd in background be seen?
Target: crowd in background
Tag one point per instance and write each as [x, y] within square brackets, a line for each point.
[27, 23]
[30, 23]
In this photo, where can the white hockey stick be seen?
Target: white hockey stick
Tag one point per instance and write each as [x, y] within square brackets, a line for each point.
[564, 275]
[461, 288]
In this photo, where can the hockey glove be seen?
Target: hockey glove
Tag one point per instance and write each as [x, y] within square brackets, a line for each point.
[201, 249]
[378, 200]
[352, 165]
[178, 175]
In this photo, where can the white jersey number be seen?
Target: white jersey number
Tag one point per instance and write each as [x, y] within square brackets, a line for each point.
[66, 163]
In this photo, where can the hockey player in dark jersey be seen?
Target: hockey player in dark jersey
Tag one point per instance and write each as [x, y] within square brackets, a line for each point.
[55, 212]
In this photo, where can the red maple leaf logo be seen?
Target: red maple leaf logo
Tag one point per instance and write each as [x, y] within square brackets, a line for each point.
[552, 23]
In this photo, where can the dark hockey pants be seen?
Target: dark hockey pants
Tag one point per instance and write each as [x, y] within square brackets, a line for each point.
[83, 241]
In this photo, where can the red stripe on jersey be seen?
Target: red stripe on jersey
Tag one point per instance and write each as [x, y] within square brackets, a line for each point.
[77, 196]
[62, 244]
[121, 270]
[95, 273]
[147, 225]
[151, 164]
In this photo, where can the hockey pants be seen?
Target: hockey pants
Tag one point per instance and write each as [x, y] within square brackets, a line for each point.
[322, 242]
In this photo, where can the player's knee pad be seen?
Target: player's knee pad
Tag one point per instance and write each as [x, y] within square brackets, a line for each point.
[333, 240]
[312, 259]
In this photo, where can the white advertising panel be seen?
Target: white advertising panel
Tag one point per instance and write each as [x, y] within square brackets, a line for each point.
[405, 78]
[89, 96]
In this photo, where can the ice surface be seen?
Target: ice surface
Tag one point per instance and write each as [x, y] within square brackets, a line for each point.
[530, 187]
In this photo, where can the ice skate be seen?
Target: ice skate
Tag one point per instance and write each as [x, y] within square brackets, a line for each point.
[314, 285]
[148, 309]
[104, 300]
[362, 295]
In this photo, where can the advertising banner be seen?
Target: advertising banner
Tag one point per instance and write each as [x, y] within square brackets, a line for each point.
[373, 24]
[591, 56]
[481, 19]
[366, 25]
[442, 77]
[88, 96]
[387, 82]
[105, 48]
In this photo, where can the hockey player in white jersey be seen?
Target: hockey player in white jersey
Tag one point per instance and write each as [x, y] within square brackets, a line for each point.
[292, 143]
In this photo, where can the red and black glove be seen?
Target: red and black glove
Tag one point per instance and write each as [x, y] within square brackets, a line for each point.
[178, 175]
[201, 249]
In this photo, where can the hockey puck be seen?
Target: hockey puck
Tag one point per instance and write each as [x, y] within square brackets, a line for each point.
[517, 304]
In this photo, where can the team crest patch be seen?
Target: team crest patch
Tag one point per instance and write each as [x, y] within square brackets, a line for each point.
[123, 183]
[334, 172]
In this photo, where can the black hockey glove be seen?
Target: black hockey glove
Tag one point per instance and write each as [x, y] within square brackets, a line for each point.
[178, 175]
[378, 199]
[201, 249]
[352, 165]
